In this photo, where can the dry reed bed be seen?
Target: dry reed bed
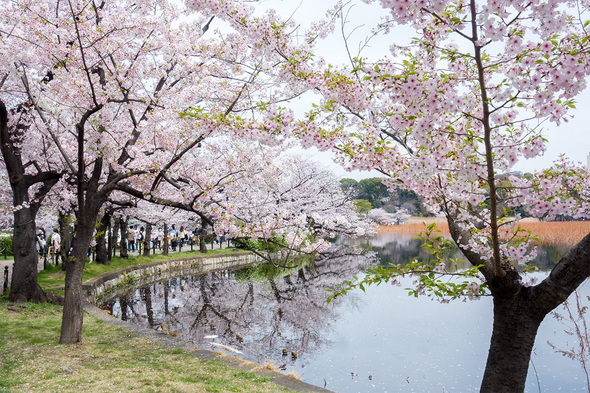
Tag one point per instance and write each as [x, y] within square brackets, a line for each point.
[566, 233]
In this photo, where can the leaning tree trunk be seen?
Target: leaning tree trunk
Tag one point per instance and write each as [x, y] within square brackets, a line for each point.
[89, 204]
[516, 322]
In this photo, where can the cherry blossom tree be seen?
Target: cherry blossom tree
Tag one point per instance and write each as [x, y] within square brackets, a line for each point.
[293, 205]
[445, 116]
[31, 174]
[249, 191]
[123, 90]
[382, 217]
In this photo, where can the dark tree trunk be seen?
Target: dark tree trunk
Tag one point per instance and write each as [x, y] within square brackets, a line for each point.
[519, 310]
[202, 236]
[101, 243]
[165, 248]
[24, 285]
[147, 240]
[66, 240]
[114, 238]
[516, 321]
[71, 327]
[89, 204]
[123, 226]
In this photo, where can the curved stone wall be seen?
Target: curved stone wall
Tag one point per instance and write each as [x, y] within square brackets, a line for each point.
[121, 280]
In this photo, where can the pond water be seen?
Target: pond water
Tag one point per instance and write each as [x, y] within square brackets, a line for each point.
[377, 341]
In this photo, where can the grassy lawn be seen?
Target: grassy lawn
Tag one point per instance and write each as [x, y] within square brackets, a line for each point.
[53, 277]
[110, 359]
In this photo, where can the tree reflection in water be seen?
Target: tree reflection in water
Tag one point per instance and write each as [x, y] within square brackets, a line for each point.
[264, 312]
[392, 248]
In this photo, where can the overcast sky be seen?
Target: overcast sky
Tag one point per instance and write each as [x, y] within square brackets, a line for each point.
[570, 138]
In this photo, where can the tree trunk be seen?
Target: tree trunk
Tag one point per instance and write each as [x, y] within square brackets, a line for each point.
[515, 327]
[113, 239]
[165, 249]
[66, 240]
[101, 243]
[123, 225]
[147, 240]
[71, 326]
[24, 285]
[202, 243]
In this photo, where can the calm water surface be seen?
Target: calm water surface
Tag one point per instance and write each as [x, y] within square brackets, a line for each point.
[378, 341]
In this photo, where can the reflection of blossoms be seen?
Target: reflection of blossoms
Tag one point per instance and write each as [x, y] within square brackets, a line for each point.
[257, 310]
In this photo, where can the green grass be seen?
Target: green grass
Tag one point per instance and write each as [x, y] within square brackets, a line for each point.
[54, 277]
[108, 359]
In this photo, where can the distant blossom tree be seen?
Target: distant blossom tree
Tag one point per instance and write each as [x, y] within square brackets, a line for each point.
[382, 217]
[296, 206]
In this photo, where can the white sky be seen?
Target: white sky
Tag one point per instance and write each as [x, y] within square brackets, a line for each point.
[569, 138]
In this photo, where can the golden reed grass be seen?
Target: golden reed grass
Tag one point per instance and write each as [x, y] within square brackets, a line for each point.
[566, 233]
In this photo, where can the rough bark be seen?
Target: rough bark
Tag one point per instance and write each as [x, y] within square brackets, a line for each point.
[113, 239]
[89, 204]
[516, 321]
[71, 327]
[202, 243]
[24, 285]
[147, 242]
[124, 253]
[518, 313]
[165, 248]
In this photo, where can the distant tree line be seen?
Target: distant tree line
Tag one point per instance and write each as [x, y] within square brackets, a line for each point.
[371, 193]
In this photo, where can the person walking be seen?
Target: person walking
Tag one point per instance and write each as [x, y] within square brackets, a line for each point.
[55, 246]
[173, 236]
[131, 239]
[41, 242]
[140, 239]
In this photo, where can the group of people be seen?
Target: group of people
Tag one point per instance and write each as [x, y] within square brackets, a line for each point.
[135, 238]
[51, 246]
[176, 238]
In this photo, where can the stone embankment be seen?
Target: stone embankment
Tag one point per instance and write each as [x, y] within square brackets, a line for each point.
[120, 280]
